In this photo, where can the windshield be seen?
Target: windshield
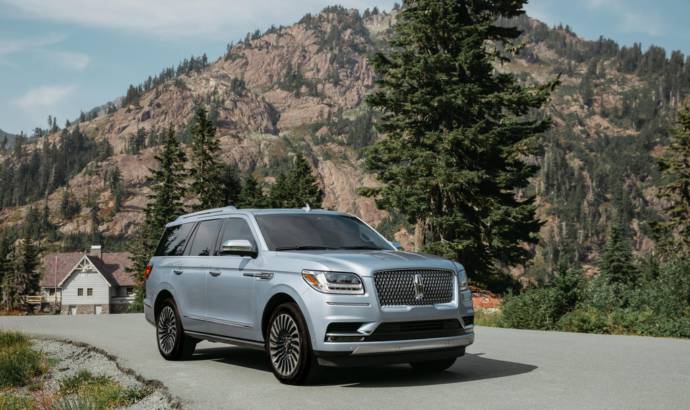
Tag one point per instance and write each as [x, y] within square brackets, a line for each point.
[286, 232]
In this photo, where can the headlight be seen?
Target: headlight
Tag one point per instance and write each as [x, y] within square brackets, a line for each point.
[341, 283]
[462, 276]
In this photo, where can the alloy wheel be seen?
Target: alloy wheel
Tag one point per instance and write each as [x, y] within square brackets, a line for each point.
[284, 344]
[167, 330]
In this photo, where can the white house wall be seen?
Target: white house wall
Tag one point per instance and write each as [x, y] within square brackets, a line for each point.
[85, 280]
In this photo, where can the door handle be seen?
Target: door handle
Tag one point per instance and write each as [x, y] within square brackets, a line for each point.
[214, 273]
[177, 271]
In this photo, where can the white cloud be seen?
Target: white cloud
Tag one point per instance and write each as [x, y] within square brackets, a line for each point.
[175, 18]
[46, 96]
[629, 20]
[13, 45]
[68, 59]
[41, 46]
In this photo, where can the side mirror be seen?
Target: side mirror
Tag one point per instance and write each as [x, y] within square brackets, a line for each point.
[240, 247]
[397, 245]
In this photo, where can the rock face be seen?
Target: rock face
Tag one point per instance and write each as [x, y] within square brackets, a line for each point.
[291, 90]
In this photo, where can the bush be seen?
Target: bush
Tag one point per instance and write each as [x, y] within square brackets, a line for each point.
[101, 392]
[16, 402]
[533, 309]
[18, 362]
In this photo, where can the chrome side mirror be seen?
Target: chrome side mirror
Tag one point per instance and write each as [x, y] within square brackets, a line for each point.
[240, 247]
[397, 245]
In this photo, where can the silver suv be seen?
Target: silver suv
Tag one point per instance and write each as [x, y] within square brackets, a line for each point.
[309, 287]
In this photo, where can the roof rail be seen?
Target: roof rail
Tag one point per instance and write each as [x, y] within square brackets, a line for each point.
[207, 212]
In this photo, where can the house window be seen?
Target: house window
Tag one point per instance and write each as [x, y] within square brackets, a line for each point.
[130, 291]
[89, 292]
[51, 292]
[80, 292]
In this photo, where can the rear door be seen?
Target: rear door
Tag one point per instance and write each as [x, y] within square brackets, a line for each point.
[193, 272]
[231, 289]
[168, 265]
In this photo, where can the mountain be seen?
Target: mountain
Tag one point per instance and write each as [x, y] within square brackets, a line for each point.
[301, 89]
[10, 137]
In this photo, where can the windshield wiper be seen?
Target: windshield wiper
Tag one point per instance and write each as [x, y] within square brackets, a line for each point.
[303, 248]
[361, 247]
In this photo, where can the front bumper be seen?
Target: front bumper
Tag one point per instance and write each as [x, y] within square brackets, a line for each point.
[365, 343]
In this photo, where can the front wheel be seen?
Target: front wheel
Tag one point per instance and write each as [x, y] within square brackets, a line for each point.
[433, 365]
[288, 347]
[173, 344]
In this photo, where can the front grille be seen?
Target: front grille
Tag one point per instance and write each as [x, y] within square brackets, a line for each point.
[414, 286]
[421, 329]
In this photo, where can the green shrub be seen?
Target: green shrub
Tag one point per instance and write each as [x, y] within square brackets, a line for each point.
[536, 308]
[484, 317]
[102, 392]
[16, 402]
[18, 362]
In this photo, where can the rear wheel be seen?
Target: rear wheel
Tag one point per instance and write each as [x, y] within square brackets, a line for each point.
[433, 365]
[173, 344]
[288, 347]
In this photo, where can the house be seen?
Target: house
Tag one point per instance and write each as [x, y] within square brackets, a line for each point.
[87, 283]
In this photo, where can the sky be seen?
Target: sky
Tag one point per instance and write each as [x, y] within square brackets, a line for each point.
[60, 57]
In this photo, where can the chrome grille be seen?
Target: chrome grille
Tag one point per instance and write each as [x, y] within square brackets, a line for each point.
[397, 287]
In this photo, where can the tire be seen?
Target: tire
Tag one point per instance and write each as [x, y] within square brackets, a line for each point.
[172, 343]
[288, 346]
[433, 365]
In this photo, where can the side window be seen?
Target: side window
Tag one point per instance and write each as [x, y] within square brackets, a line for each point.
[237, 228]
[205, 238]
[174, 239]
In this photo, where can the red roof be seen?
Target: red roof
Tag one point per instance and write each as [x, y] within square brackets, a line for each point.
[112, 265]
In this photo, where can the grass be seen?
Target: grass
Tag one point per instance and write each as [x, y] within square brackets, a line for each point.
[19, 364]
[15, 402]
[490, 318]
[85, 391]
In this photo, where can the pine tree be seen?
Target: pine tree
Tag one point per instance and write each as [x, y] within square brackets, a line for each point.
[6, 241]
[205, 170]
[456, 135]
[617, 261]
[251, 196]
[675, 166]
[297, 187]
[166, 202]
[230, 183]
[23, 278]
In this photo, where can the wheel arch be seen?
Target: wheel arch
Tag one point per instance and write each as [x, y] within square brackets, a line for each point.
[278, 299]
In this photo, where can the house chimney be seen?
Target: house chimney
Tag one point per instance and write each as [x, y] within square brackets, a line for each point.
[96, 250]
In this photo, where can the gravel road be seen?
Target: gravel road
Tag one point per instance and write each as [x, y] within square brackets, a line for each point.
[505, 368]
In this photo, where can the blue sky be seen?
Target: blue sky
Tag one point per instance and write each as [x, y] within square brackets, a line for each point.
[58, 57]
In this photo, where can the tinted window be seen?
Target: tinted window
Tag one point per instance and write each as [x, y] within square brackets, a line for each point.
[174, 239]
[317, 231]
[236, 228]
[204, 242]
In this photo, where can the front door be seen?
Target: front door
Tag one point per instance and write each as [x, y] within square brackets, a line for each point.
[230, 287]
[99, 309]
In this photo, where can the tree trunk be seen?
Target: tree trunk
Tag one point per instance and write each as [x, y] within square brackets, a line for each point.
[419, 234]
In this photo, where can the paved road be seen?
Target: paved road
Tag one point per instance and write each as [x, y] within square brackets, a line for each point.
[505, 368]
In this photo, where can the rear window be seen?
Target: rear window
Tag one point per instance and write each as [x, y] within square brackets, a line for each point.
[174, 240]
[204, 242]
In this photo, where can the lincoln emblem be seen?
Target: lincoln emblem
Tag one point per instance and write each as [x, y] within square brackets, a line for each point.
[418, 287]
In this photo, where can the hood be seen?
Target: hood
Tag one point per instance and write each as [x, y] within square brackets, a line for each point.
[363, 263]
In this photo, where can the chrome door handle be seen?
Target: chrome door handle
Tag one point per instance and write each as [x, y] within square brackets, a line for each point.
[177, 271]
[214, 273]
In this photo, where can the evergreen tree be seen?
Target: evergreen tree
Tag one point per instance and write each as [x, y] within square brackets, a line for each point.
[69, 206]
[252, 196]
[23, 278]
[230, 183]
[5, 256]
[676, 169]
[205, 170]
[617, 262]
[95, 221]
[116, 186]
[297, 187]
[456, 134]
[165, 204]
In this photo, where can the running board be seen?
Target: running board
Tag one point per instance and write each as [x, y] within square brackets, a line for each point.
[224, 339]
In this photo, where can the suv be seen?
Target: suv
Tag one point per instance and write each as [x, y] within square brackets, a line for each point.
[309, 287]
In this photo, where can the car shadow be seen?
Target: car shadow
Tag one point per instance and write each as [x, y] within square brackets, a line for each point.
[470, 367]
